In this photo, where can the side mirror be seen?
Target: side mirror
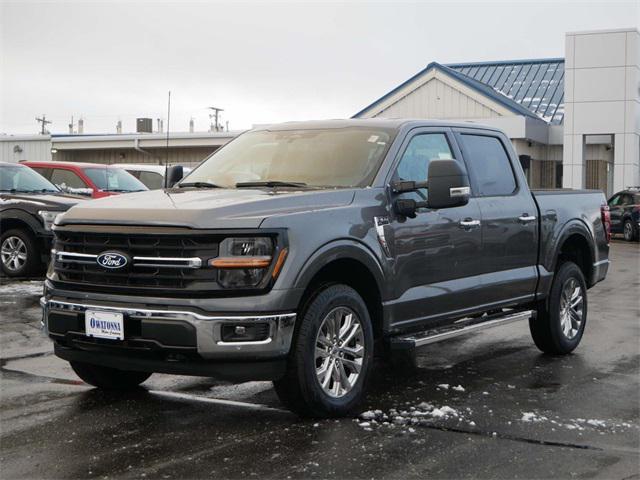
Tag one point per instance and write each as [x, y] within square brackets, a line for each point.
[447, 184]
[174, 175]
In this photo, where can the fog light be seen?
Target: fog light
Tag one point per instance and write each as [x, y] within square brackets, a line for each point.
[254, 332]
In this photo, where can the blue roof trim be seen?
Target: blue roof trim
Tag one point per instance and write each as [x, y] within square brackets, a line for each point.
[470, 82]
[505, 62]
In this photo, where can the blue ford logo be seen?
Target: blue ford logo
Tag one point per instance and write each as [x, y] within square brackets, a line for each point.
[112, 260]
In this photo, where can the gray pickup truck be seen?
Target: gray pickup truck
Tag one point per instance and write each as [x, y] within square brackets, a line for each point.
[297, 250]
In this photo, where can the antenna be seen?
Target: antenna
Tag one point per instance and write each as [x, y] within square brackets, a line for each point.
[166, 163]
[215, 127]
[43, 122]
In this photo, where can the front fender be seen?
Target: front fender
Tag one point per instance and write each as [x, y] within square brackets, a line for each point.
[24, 217]
[341, 249]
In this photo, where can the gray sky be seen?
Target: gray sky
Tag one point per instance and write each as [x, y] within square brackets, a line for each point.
[260, 61]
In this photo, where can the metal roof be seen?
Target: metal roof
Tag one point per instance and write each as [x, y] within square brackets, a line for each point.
[537, 85]
[533, 88]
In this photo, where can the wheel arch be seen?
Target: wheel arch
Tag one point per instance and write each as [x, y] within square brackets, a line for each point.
[14, 218]
[350, 263]
[576, 244]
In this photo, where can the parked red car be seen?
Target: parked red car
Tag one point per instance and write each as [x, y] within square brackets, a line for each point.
[91, 179]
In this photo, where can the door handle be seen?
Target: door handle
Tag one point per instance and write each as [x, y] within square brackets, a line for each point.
[469, 223]
[526, 218]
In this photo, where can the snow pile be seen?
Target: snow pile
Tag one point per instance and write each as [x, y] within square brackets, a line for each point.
[422, 414]
[459, 388]
[532, 417]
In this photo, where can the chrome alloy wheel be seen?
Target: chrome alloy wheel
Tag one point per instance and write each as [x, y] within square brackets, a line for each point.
[571, 308]
[628, 231]
[13, 253]
[339, 353]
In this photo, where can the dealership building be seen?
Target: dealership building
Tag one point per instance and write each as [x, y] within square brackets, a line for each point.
[574, 121]
[187, 149]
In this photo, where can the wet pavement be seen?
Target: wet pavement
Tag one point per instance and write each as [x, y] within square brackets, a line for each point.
[486, 405]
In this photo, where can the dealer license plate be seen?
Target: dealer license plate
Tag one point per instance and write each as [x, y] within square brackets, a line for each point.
[104, 324]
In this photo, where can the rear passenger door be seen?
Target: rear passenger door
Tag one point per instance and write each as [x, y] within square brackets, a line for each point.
[508, 211]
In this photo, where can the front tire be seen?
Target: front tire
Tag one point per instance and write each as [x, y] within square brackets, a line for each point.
[108, 378]
[19, 256]
[630, 231]
[331, 355]
[559, 325]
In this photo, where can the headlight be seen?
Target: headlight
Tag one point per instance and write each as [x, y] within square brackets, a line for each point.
[48, 218]
[243, 261]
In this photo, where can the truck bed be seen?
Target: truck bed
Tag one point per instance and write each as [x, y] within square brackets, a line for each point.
[558, 211]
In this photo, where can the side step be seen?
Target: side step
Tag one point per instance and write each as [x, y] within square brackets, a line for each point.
[460, 327]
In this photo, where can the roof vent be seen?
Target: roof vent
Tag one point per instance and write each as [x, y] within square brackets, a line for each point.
[144, 125]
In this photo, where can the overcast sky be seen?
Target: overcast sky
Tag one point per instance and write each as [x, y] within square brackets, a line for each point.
[261, 61]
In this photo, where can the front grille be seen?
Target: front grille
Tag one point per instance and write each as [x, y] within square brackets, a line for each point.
[151, 244]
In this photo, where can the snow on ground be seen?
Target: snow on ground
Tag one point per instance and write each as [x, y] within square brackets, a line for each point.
[422, 414]
[33, 287]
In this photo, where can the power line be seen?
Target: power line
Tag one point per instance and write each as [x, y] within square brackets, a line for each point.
[43, 122]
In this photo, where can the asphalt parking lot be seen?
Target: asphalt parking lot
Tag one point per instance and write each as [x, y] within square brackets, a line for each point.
[486, 405]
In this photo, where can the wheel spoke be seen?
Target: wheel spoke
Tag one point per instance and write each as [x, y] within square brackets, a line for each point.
[357, 352]
[325, 372]
[321, 353]
[352, 333]
[344, 328]
[344, 378]
[354, 365]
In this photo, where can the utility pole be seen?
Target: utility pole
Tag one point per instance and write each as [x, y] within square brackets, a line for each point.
[43, 122]
[215, 126]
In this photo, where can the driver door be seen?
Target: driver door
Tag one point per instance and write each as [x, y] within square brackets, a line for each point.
[436, 254]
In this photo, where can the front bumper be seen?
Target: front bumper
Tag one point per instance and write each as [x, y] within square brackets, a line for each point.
[173, 332]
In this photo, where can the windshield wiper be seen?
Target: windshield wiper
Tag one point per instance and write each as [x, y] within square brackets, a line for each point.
[198, 185]
[43, 190]
[270, 183]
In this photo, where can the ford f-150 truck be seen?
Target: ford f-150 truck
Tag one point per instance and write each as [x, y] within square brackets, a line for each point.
[296, 250]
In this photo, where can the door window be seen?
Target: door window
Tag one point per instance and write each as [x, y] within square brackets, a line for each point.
[151, 180]
[45, 172]
[66, 179]
[422, 148]
[490, 164]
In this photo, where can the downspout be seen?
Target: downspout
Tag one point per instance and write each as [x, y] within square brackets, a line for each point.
[136, 146]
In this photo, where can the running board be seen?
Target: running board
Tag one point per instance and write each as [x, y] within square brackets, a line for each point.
[460, 327]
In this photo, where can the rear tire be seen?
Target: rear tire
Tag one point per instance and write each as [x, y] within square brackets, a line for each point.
[630, 231]
[108, 378]
[19, 255]
[559, 325]
[325, 376]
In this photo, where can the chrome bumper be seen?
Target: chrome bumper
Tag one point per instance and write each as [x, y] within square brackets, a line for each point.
[208, 328]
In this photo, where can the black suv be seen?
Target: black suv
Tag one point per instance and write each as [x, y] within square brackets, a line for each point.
[625, 213]
[29, 204]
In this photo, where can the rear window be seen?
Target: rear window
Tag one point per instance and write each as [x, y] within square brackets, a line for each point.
[490, 164]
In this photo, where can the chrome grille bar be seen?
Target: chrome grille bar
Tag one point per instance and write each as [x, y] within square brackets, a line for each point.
[155, 262]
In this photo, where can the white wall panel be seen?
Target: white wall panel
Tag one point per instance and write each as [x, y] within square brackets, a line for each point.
[600, 50]
[436, 99]
[598, 84]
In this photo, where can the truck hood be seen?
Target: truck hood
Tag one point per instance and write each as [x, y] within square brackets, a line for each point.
[211, 208]
[39, 201]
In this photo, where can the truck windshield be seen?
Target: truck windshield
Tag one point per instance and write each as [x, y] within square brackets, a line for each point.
[331, 157]
[114, 180]
[18, 178]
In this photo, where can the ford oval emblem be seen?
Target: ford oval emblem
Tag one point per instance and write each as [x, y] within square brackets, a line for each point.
[112, 260]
